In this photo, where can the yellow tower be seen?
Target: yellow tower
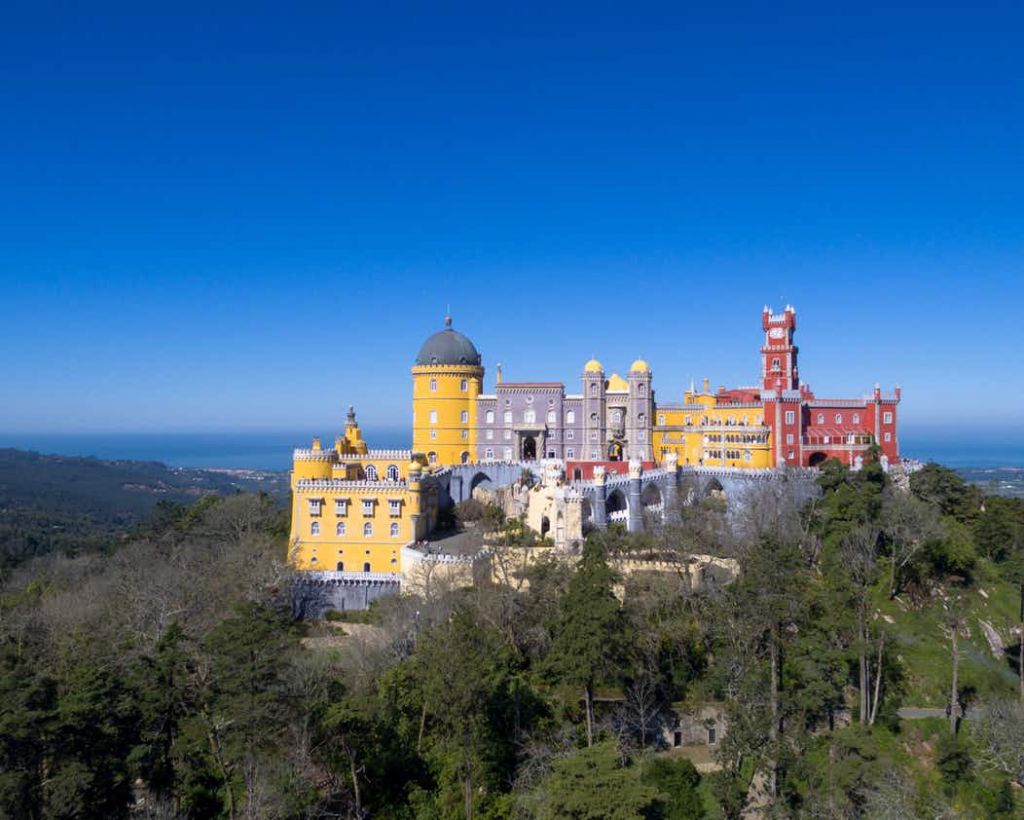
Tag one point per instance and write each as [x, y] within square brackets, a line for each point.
[446, 381]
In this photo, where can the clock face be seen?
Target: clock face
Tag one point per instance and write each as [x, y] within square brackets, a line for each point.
[777, 333]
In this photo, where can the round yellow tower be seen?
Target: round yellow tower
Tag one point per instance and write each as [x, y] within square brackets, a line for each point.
[446, 381]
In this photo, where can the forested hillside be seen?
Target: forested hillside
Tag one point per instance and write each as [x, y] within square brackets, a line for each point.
[169, 679]
[70, 504]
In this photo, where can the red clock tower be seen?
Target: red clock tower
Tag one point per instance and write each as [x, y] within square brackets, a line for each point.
[778, 355]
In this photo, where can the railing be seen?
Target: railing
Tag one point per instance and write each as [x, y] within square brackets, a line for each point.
[345, 575]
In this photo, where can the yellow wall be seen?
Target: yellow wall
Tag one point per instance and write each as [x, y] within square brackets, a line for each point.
[381, 549]
[703, 433]
[449, 437]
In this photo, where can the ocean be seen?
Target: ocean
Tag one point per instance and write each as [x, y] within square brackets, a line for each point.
[273, 451]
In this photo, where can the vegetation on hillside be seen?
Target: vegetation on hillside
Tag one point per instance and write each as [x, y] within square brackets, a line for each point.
[169, 678]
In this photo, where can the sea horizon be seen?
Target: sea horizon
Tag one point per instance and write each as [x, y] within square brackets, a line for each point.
[272, 450]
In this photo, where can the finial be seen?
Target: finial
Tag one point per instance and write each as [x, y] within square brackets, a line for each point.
[351, 414]
[448, 316]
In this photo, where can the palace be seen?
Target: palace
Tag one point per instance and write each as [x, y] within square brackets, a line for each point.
[354, 509]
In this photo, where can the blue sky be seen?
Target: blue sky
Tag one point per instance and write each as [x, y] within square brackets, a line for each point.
[249, 217]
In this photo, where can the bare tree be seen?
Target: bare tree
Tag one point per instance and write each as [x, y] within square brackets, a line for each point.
[997, 728]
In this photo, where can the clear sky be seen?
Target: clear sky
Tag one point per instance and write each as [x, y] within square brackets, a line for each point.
[239, 218]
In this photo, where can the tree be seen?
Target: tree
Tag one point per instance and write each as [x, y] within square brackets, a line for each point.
[595, 784]
[28, 702]
[678, 780]
[589, 628]
[997, 728]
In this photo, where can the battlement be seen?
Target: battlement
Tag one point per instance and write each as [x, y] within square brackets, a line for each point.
[309, 485]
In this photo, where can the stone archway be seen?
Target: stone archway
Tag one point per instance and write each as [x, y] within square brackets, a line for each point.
[817, 459]
[617, 507]
[529, 448]
[652, 501]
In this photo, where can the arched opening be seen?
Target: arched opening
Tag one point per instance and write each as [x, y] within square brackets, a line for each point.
[465, 457]
[714, 489]
[817, 459]
[577, 474]
[617, 507]
[341, 566]
[586, 514]
[481, 482]
[545, 526]
[652, 502]
[366, 567]
[615, 451]
[529, 448]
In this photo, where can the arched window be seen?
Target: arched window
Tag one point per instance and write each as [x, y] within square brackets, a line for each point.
[593, 418]
[367, 529]
[340, 529]
[508, 417]
[839, 418]
[432, 457]
[394, 529]
[616, 417]
[392, 473]
[464, 385]
[643, 389]
[341, 566]
[529, 416]
[314, 528]
[464, 458]
[490, 417]
[856, 418]
[433, 385]
[371, 472]
[593, 389]
[366, 567]
[464, 417]
[570, 417]
[641, 419]
[551, 416]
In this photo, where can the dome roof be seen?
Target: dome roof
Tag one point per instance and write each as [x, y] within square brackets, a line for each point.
[639, 366]
[593, 366]
[448, 347]
[617, 384]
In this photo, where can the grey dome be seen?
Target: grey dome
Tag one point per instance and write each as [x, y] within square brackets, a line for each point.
[448, 347]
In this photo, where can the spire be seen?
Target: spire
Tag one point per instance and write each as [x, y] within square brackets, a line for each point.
[448, 316]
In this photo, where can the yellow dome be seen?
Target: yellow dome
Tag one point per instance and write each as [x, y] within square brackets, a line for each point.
[639, 366]
[593, 366]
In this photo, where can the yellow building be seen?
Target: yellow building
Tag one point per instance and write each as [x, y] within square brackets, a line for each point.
[353, 509]
[723, 429]
[446, 381]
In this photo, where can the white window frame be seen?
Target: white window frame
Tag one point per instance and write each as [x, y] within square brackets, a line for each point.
[395, 530]
[433, 417]
[489, 417]
[392, 473]
[316, 506]
[339, 529]
[489, 452]
[368, 504]
[464, 417]
[314, 528]
[341, 506]
[887, 418]
[790, 417]
[433, 385]
[368, 529]
[570, 417]
[394, 507]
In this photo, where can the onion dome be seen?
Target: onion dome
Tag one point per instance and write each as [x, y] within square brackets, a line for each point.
[593, 366]
[448, 347]
[639, 366]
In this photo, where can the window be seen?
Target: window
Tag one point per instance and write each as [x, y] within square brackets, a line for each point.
[776, 365]
[464, 417]
[569, 435]
[839, 418]
[464, 385]
[341, 566]
[490, 435]
[593, 435]
[489, 416]
[340, 528]
[368, 506]
[394, 507]
[366, 566]
[821, 418]
[392, 473]
[507, 417]
[570, 453]
[661, 418]
[593, 455]
[570, 417]
[616, 417]
[593, 418]
[371, 472]
[464, 458]
[642, 435]
[643, 389]
[641, 420]
[887, 418]
[593, 389]
[433, 434]
[508, 435]
[746, 455]
[465, 434]
[529, 416]
[686, 421]
[341, 506]
[508, 454]
[433, 417]
[888, 436]
[790, 417]
[367, 529]
[789, 438]
[432, 458]
[314, 528]
[856, 418]
[315, 505]
[551, 416]
[433, 385]
[529, 399]
[551, 402]
[489, 452]
[394, 529]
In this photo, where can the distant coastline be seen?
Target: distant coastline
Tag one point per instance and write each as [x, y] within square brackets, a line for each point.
[273, 450]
